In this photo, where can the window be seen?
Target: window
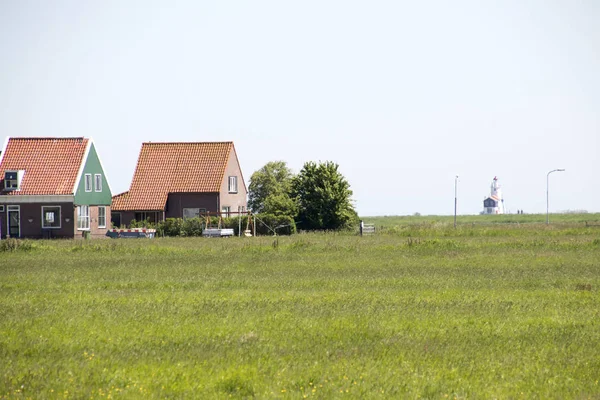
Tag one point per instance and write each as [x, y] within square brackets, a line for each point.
[101, 216]
[193, 212]
[233, 184]
[226, 211]
[115, 218]
[150, 216]
[98, 182]
[88, 182]
[11, 180]
[50, 216]
[83, 217]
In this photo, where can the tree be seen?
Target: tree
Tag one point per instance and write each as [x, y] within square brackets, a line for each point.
[270, 188]
[324, 197]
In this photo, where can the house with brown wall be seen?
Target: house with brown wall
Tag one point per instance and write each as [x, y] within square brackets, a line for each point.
[182, 180]
[52, 188]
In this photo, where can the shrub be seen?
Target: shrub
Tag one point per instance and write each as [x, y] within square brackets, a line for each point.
[281, 224]
[191, 227]
[170, 227]
[12, 244]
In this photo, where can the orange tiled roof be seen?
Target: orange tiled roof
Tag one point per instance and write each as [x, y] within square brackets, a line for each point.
[164, 168]
[51, 164]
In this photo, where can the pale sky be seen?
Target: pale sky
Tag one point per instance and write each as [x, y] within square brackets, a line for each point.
[403, 95]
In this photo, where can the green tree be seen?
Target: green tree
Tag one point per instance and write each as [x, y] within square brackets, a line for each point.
[324, 197]
[270, 188]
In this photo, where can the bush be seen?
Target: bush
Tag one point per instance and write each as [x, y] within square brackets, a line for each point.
[12, 244]
[170, 227]
[141, 224]
[191, 227]
[282, 224]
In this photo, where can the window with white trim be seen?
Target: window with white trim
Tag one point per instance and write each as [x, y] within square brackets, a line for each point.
[226, 211]
[12, 179]
[83, 218]
[88, 182]
[101, 216]
[233, 184]
[51, 217]
[98, 182]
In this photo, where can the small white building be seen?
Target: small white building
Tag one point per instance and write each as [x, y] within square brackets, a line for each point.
[494, 203]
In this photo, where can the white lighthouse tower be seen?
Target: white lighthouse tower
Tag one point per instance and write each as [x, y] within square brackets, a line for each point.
[494, 203]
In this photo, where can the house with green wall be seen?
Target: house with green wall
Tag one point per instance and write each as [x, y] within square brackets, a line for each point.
[53, 188]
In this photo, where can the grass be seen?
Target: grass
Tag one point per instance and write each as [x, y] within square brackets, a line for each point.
[418, 310]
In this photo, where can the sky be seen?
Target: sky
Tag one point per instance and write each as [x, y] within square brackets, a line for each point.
[403, 95]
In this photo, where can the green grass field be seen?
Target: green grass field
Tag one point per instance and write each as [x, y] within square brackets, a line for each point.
[493, 309]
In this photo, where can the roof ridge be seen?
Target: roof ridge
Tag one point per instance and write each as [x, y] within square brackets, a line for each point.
[48, 138]
[220, 142]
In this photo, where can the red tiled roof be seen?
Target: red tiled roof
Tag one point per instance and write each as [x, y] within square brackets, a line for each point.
[119, 201]
[164, 168]
[51, 164]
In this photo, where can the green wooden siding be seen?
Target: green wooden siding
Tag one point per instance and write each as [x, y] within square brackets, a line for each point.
[93, 167]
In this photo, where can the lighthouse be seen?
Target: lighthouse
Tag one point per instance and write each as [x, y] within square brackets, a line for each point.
[494, 203]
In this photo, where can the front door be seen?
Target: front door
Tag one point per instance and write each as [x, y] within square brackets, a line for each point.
[14, 221]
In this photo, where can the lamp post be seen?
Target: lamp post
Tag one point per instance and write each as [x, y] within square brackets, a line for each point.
[548, 195]
[455, 198]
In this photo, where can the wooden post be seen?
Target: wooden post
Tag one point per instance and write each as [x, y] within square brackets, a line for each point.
[254, 225]
[362, 225]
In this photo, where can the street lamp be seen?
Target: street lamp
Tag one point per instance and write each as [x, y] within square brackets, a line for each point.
[547, 194]
[455, 198]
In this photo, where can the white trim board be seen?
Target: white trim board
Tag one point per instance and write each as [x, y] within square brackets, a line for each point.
[4, 148]
[82, 165]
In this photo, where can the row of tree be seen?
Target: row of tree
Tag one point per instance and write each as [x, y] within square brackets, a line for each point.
[318, 198]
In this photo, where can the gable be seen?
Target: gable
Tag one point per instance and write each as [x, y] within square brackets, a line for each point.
[233, 169]
[91, 168]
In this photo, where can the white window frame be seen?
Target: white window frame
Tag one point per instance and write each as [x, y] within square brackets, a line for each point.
[85, 183]
[233, 184]
[103, 208]
[59, 217]
[226, 210]
[12, 181]
[82, 226]
[98, 182]
[12, 208]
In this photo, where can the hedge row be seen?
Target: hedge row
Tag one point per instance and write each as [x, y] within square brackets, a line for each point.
[266, 224]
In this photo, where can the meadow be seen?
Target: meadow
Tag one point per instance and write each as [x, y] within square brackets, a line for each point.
[497, 308]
